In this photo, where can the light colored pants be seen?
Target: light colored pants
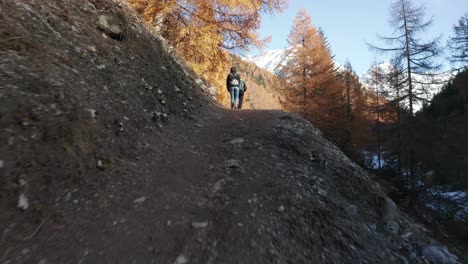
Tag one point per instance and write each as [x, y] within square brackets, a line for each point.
[234, 97]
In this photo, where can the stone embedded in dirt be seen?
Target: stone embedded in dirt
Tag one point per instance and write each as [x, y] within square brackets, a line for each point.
[199, 81]
[92, 112]
[198, 225]
[237, 141]
[177, 89]
[392, 227]
[181, 259]
[23, 202]
[156, 115]
[140, 200]
[199, 125]
[322, 192]
[390, 209]
[110, 25]
[352, 210]
[438, 255]
[406, 235]
[212, 91]
[68, 196]
[281, 209]
[2, 164]
[232, 164]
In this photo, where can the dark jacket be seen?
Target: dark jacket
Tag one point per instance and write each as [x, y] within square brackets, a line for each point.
[231, 80]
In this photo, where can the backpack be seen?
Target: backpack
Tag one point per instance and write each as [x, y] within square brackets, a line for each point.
[234, 80]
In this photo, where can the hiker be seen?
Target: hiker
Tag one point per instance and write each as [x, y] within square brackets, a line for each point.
[232, 84]
[242, 90]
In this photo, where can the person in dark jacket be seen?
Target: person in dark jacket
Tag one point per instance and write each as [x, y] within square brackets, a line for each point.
[242, 90]
[233, 86]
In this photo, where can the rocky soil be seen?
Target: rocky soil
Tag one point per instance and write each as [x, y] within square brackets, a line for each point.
[112, 151]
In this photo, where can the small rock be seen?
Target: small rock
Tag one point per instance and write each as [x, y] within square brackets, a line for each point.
[390, 209]
[2, 164]
[237, 141]
[103, 164]
[198, 225]
[438, 255]
[199, 81]
[23, 201]
[110, 25]
[392, 227]
[169, 222]
[352, 210]
[232, 163]
[212, 90]
[199, 125]
[181, 259]
[177, 89]
[240, 224]
[407, 235]
[68, 196]
[322, 193]
[92, 112]
[281, 209]
[160, 91]
[140, 200]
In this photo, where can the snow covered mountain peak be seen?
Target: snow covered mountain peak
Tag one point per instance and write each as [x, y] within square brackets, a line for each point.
[269, 59]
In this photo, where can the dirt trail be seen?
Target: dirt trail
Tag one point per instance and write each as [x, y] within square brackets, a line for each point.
[192, 194]
[246, 186]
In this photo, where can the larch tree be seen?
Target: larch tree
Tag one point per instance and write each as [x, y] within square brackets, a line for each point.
[418, 58]
[458, 44]
[357, 133]
[395, 78]
[311, 87]
[348, 78]
[376, 82]
[297, 72]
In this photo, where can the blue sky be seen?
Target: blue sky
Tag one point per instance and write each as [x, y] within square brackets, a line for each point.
[349, 24]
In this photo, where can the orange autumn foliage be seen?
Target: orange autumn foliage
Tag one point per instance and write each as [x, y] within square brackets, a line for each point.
[204, 32]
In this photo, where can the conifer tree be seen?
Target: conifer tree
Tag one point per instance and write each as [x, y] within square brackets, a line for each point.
[458, 44]
[312, 89]
[419, 58]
